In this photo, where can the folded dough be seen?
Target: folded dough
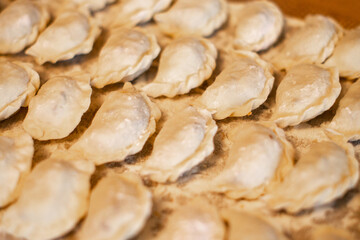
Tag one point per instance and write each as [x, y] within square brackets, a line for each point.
[58, 107]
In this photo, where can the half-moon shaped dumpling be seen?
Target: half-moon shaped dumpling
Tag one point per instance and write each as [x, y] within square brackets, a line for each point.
[241, 87]
[194, 220]
[305, 92]
[346, 56]
[58, 107]
[70, 34]
[259, 156]
[346, 120]
[321, 175]
[258, 25]
[16, 152]
[312, 43]
[189, 17]
[18, 84]
[185, 140]
[126, 54]
[20, 24]
[53, 199]
[121, 126]
[133, 12]
[184, 64]
[243, 225]
[92, 5]
[119, 207]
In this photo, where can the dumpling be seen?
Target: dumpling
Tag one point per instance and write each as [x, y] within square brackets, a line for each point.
[133, 12]
[58, 107]
[18, 84]
[16, 152]
[241, 87]
[325, 232]
[119, 207]
[189, 17]
[346, 119]
[258, 25]
[20, 24]
[322, 174]
[243, 225]
[259, 156]
[126, 54]
[312, 43]
[196, 219]
[92, 5]
[70, 34]
[346, 56]
[305, 92]
[184, 64]
[121, 126]
[185, 140]
[53, 199]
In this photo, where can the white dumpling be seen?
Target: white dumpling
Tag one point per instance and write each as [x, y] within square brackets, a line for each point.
[70, 34]
[244, 225]
[58, 107]
[126, 54]
[312, 43]
[18, 84]
[346, 120]
[346, 56]
[259, 156]
[258, 25]
[121, 126]
[16, 152]
[305, 92]
[189, 17]
[20, 24]
[184, 64]
[92, 5]
[241, 87]
[53, 199]
[185, 140]
[194, 220]
[119, 208]
[322, 174]
[132, 12]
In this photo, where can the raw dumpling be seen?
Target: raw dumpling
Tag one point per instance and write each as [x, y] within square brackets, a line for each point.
[18, 84]
[92, 5]
[259, 155]
[54, 198]
[312, 43]
[58, 107]
[126, 54]
[243, 225]
[326, 172]
[119, 207]
[70, 34]
[189, 17]
[16, 152]
[185, 140]
[194, 220]
[305, 92]
[258, 26]
[120, 127]
[241, 87]
[346, 120]
[133, 12]
[346, 56]
[184, 64]
[20, 24]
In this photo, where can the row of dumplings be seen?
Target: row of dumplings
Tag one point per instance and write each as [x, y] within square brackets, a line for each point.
[260, 163]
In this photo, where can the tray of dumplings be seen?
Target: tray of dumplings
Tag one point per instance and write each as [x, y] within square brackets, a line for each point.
[181, 119]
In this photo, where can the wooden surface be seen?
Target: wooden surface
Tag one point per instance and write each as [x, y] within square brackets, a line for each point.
[346, 12]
